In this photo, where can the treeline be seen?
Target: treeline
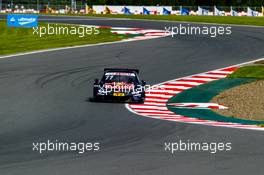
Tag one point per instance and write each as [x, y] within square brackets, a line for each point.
[146, 2]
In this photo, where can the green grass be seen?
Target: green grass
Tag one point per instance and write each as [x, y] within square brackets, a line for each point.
[261, 125]
[17, 40]
[249, 72]
[241, 20]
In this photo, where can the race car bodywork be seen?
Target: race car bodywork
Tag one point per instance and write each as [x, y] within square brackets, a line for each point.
[119, 85]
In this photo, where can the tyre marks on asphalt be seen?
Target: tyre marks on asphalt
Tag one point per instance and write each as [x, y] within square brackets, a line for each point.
[77, 76]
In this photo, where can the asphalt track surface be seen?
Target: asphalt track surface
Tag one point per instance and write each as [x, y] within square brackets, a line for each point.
[44, 96]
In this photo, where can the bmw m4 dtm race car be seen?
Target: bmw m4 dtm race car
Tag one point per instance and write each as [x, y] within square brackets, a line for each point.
[119, 85]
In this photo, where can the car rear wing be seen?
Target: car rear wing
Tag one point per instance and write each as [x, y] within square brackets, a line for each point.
[121, 70]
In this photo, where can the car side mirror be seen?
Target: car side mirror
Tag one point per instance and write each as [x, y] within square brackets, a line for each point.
[143, 82]
[96, 81]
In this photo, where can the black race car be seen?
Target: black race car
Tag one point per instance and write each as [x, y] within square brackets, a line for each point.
[119, 85]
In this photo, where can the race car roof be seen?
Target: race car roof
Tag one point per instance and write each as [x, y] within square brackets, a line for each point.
[120, 73]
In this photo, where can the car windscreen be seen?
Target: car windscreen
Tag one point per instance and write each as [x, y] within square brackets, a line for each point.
[111, 77]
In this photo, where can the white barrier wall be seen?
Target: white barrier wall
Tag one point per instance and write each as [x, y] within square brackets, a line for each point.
[135, 9]
[99, 9]
[157, 9]
[115, 9]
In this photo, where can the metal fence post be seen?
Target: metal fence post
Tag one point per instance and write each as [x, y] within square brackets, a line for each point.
[73, 5]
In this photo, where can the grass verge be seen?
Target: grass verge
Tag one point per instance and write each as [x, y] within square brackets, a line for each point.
[17, 40]
[253, 71]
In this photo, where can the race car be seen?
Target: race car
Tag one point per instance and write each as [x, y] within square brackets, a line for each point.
[119, 85]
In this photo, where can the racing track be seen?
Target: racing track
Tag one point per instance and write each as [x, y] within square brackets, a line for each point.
[43, 96]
